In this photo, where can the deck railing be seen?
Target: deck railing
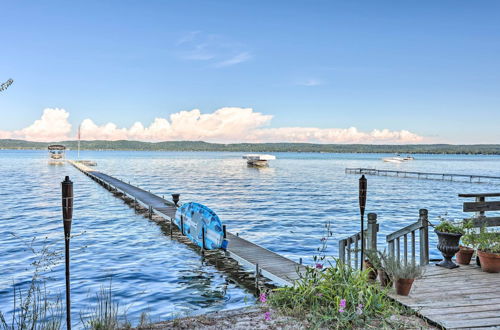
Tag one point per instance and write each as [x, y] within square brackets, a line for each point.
[409, 233]
[480, 206]
[349, 254]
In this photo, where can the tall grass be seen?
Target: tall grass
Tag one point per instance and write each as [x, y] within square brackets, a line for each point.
[32, 308]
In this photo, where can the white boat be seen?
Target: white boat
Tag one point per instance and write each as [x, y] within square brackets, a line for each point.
[393, 159]
[258, 160]
[397, 159]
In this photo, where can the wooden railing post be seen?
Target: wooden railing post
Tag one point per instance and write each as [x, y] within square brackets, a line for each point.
[424, 237]
[371, 237]
[342, 250]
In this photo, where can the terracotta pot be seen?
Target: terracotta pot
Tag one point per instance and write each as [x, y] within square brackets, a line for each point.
[464, 255]
[490, 262]
[385, 279]
[448, 245]
[372, 274]
[403, 286]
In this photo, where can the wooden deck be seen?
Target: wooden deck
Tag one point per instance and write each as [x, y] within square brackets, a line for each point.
[271, 265]
[460, 298]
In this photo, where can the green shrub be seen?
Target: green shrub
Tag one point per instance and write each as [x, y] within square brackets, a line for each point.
[448, 227]
[398, 269]
[488, 241]
[335, 297]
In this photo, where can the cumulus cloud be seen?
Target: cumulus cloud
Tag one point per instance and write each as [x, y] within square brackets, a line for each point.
[230, 124]
[52, 126]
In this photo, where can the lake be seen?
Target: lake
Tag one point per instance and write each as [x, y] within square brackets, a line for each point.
[283, 207]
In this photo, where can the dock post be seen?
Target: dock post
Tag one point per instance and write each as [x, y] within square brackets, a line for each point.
[171, 226]
[224, 231]
[203, 246]
[257, 270]
[182, 225]
[300, 261]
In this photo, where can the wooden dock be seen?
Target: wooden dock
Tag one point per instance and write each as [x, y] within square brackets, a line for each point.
[425, 175]
[266, 263]
[460, 298]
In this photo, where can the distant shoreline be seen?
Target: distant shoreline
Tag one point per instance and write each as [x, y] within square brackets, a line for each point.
[125, 145]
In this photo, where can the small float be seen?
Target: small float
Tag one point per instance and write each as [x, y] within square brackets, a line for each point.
[56, 154]
[258, 160]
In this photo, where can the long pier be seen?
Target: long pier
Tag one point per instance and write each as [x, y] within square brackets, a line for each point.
[424, 175]
[266, 263]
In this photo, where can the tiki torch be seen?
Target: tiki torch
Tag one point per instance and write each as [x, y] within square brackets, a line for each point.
[67, 208]
[362, 203]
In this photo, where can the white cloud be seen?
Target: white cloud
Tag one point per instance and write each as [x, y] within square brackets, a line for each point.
[310, 82]
[230, 124]
[236, 59]
[52, 126]
[213, 49]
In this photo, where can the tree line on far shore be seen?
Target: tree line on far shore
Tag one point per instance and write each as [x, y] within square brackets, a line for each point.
[486, 149]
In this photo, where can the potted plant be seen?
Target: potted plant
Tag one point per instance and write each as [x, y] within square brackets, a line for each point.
[448, 239]
[403, 274]
[464, 255]
[383, 273]
[488, 251]
[372, 263]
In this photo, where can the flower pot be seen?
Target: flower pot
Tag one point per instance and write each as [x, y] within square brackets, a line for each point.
[464, 255]
[385, 279]
[448, 245]
[490, 262]
[372, 274]
[403, 286]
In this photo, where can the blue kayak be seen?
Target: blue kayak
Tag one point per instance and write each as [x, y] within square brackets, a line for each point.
[193, 219]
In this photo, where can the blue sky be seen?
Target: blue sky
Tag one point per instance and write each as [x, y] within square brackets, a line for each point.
[429, 67]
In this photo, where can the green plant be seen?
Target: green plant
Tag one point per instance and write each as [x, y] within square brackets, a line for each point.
[448, 227]
[33, 308]
[373, 257]
[470, 237]
[488, 241]
[337, 296]
[105, 316]
[398, 269]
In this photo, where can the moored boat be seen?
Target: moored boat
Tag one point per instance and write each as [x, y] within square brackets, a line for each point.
[258, 160]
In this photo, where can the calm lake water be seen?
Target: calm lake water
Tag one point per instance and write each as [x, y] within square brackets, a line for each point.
[283, 207]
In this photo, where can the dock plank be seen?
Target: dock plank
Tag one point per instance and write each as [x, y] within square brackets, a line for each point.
[464, 297]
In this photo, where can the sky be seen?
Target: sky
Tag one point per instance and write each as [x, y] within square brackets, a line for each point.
[252, 71]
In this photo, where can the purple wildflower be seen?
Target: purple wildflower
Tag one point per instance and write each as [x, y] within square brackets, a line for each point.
[359, 309]
[267, 316]
[319, 266]
[319, 294]
[342, 303]
[341, 310]
[262, 298]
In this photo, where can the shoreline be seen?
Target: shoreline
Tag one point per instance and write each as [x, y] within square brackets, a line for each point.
[253, 317]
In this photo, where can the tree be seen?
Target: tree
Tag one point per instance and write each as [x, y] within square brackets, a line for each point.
[6, 84]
